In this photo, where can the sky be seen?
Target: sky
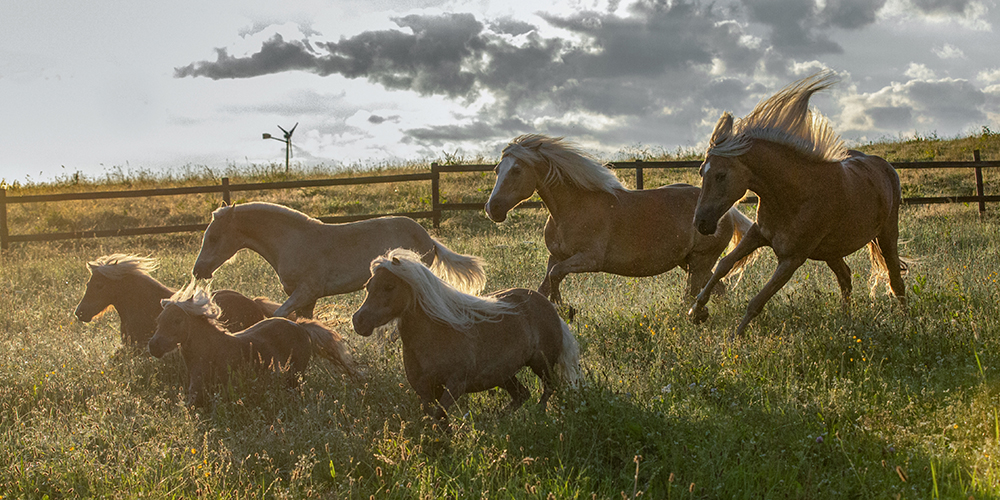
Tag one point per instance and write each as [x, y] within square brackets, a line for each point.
[115, 86]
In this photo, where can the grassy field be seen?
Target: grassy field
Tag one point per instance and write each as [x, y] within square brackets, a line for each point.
[812, 403]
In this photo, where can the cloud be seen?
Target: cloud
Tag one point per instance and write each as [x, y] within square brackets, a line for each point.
[948, 51]
[942, 6]
[917, 105]
[800, 27]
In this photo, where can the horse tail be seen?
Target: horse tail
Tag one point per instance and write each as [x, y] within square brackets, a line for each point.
[330, 345]
[464, 272]
[268, 307]
[741, 225]
[568, 364]
[880, 269]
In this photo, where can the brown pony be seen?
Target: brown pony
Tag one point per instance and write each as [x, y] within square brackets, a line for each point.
[596, 224]
[189, 320]
[316, 260]
[817, 199]
[123, 282]
[455, 343]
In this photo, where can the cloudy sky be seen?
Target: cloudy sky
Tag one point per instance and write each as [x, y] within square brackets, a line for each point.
[94, 87]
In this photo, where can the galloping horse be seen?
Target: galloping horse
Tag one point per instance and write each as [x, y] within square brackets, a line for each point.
[123, 282]
[190, 320]
[818, 200]
[596, 224]
[316, 260]
[455, 343]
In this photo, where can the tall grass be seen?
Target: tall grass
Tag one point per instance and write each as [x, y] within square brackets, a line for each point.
[883, 402]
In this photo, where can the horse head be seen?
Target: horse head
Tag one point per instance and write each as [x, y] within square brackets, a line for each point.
[220, 242]
[172, 329]
[97, 298]
[516, 182]
[724, 178]
[387, 297]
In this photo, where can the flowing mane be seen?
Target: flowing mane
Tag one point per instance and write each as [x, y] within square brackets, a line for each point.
[437, 298]
[196, 301]
[567, 163]
[263, 206]
[784, 118]
[118, 265]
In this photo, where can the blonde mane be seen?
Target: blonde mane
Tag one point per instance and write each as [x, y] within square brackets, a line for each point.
[784, 118]
[437, 298]
[567, 163]
[118, 265]
[196, 301]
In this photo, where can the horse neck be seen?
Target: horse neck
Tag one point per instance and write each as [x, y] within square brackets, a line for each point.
[138, 303]
[268, 233]
[205, 338]
[562, 198]
[778, 174]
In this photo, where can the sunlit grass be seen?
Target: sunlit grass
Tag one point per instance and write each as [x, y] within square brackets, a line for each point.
[812, 403]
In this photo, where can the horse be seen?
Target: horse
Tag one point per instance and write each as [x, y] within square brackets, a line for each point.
[818, 200]
[455, 343]
[190, 320]
[124, 282]
[314, 260]
[596, 224]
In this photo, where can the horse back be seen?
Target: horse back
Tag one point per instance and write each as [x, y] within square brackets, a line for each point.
[277, 340]
[533, 327]
[239, 312]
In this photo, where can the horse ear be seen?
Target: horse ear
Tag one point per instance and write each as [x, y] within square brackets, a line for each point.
[723, 129]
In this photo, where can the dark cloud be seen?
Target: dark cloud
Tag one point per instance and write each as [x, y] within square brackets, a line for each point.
[798, 28]
[376, 119]
[891, 117]
[941, 6]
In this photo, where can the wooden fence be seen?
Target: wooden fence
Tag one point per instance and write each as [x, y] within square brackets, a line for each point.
[225, 189]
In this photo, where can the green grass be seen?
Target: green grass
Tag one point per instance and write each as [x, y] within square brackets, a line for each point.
[811, 403]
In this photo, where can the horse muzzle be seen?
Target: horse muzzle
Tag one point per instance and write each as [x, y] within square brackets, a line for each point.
[705, 225]
[202, 271]
[83, 315]
[158, 347]
[494, 214]
[361, 326]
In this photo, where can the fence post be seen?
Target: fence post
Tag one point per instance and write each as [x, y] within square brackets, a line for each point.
[226, 197]
[980, 191]
[435, 198]
[638, 174]
[4, 244]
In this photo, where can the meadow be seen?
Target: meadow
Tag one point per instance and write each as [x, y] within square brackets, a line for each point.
[880, 402]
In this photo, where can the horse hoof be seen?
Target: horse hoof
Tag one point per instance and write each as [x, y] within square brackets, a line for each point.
[698, 315]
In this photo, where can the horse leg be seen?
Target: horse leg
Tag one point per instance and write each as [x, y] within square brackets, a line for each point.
[301, 301]
[843, 273]
[518, 394]
[786, 268]
[578, 263]
[888, 242]
[750, 242]
[546, 285]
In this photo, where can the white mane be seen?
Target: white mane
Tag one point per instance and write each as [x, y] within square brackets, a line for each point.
[566, 162]
[196, 301]
[784, 118]
[263, 206]
[437, 298]
[118, 265]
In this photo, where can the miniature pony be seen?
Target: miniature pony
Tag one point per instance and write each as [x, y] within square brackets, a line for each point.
[190, 320]
[124, 282]
[455, 343]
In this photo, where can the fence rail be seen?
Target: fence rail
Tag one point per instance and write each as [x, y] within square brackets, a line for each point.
[225, 189]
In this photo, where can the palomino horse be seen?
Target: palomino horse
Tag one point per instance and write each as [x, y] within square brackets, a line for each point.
[596, 224]
[189, 320]
[316, 260]
[123, 282]
[817, 200]
[455, 343]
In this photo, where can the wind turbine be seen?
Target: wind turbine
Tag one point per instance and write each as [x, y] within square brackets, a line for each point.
[288, 143]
